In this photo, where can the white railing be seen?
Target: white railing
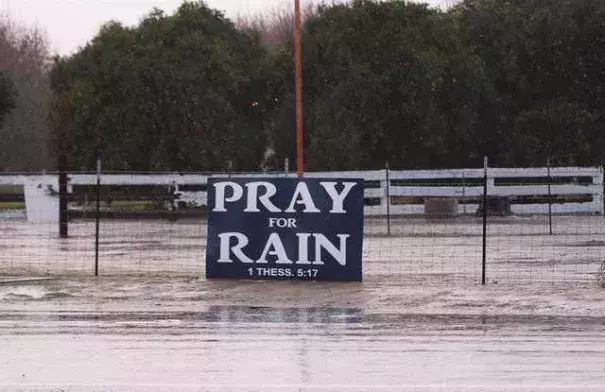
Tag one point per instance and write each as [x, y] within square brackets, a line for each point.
[470, 186]
[407, 189]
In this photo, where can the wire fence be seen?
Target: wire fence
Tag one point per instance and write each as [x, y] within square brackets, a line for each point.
[150, 229]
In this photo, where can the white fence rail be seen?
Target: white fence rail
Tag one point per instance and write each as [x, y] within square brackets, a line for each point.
[584, 183]
[581, 186]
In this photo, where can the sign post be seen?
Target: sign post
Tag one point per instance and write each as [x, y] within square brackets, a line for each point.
[285, 228]
[298, 86]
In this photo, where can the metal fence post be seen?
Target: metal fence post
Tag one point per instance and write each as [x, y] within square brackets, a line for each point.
[549, 196]
[388, 197]
[463, 193]
[63, 198]
[98, 215]
[484, 254]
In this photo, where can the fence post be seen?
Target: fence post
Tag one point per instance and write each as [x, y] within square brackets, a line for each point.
[484, 254]
[98, 215]
[388, 197]
[463, 192]
[174, 190]
[63, 197]
[549, 196]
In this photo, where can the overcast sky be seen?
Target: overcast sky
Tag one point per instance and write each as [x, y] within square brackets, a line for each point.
[71, 23]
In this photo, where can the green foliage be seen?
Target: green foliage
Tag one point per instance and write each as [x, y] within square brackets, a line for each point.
[521, 81]
[384, 81]
[546, 61]
[176, 92]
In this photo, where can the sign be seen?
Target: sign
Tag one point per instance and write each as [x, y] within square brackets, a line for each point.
[285, 228]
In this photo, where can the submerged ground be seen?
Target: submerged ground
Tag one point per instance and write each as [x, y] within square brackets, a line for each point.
[125, 333]
[420, 320]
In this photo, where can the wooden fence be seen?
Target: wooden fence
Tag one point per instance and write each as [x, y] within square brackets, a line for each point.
[567, 190]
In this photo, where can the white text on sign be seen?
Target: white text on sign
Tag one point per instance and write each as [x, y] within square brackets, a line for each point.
[261, 192]
[275, 247]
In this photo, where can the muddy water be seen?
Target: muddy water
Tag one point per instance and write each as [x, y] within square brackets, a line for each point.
[241, 348]
[519, 249]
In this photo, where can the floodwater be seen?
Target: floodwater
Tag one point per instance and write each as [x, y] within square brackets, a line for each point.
[133, 335]
[419, 321]
[518, 249]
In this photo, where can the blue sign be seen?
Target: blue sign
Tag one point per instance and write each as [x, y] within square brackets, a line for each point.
[285, 228]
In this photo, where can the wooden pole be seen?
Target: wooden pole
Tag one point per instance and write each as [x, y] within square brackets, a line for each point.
[298, 88]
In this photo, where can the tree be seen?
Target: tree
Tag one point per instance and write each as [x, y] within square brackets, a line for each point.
[521, 81]
[546, 61]
[383, 81]
[178, 92]
[24, 56]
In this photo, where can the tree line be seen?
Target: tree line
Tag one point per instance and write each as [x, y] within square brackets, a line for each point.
[521, 81]
[24, 98]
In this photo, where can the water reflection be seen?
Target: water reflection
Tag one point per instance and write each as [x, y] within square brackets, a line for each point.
[246, 314]
[310, 322]
[270, 315]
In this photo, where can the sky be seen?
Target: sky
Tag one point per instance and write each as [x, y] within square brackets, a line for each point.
[69, 24]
